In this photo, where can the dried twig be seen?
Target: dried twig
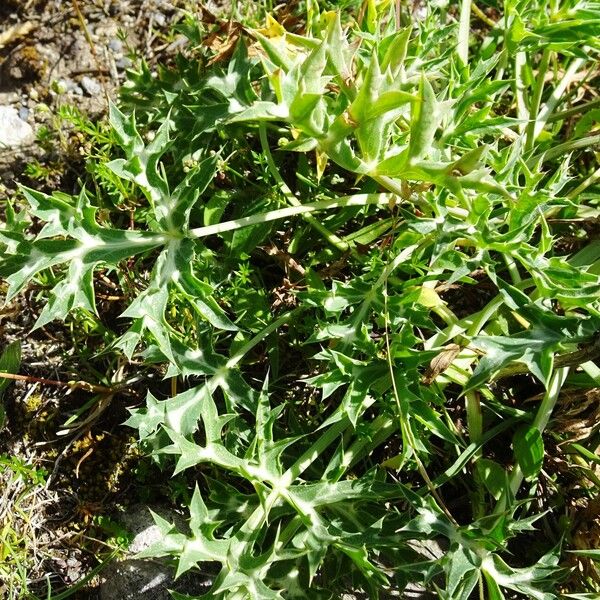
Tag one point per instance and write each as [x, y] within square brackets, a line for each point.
[73, 385]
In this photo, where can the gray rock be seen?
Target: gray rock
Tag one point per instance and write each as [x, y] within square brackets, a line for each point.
[9, 97]
[14, 131]
[136, 580]
[123, 63]
[140, 523]
[147, 579]
[80, 53]
[91, 86]
[116, 45]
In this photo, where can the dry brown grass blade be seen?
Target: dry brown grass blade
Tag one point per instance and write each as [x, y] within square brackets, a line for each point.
[74, 385]
[15, 32]
[91, 44]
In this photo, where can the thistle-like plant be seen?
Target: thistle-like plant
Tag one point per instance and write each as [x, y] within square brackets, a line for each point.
[302, 215]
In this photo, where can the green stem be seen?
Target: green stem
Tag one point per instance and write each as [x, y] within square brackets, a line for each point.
[536, 100]
[444, 313]
[394, 186]
[540, 422]
[474, 416]
[520, 89]
[333, 239]
[462, 46]
[595, 176]
[290, 211]
[285, 537]
[408, 439]
[564, 148]
[484, 315]
[545, 409]
[472, 324]
[581, 108]
[475, 427]
[261, 335]
[482, 16]
[381, 428]
[512, 269]
[402, 257]
[558, 95]
[315, 451]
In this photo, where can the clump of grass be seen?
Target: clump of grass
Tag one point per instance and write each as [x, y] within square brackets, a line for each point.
[22, 503]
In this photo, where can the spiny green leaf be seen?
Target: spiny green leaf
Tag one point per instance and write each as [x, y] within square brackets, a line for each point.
[425, 119]
[534, 347]
[395, 53]
[83, 254]
[173, 269]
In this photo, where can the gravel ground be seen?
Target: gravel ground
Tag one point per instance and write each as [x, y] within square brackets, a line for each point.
[57, 52]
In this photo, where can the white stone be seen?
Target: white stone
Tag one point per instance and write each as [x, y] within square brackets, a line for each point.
[14, 131]
[91, 86]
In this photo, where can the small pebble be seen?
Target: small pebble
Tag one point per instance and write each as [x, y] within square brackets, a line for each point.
[24, 113]
[159, 19]
[73, 575]
[123, 63]
[91, 86]
[14, 131]
[116, 45]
